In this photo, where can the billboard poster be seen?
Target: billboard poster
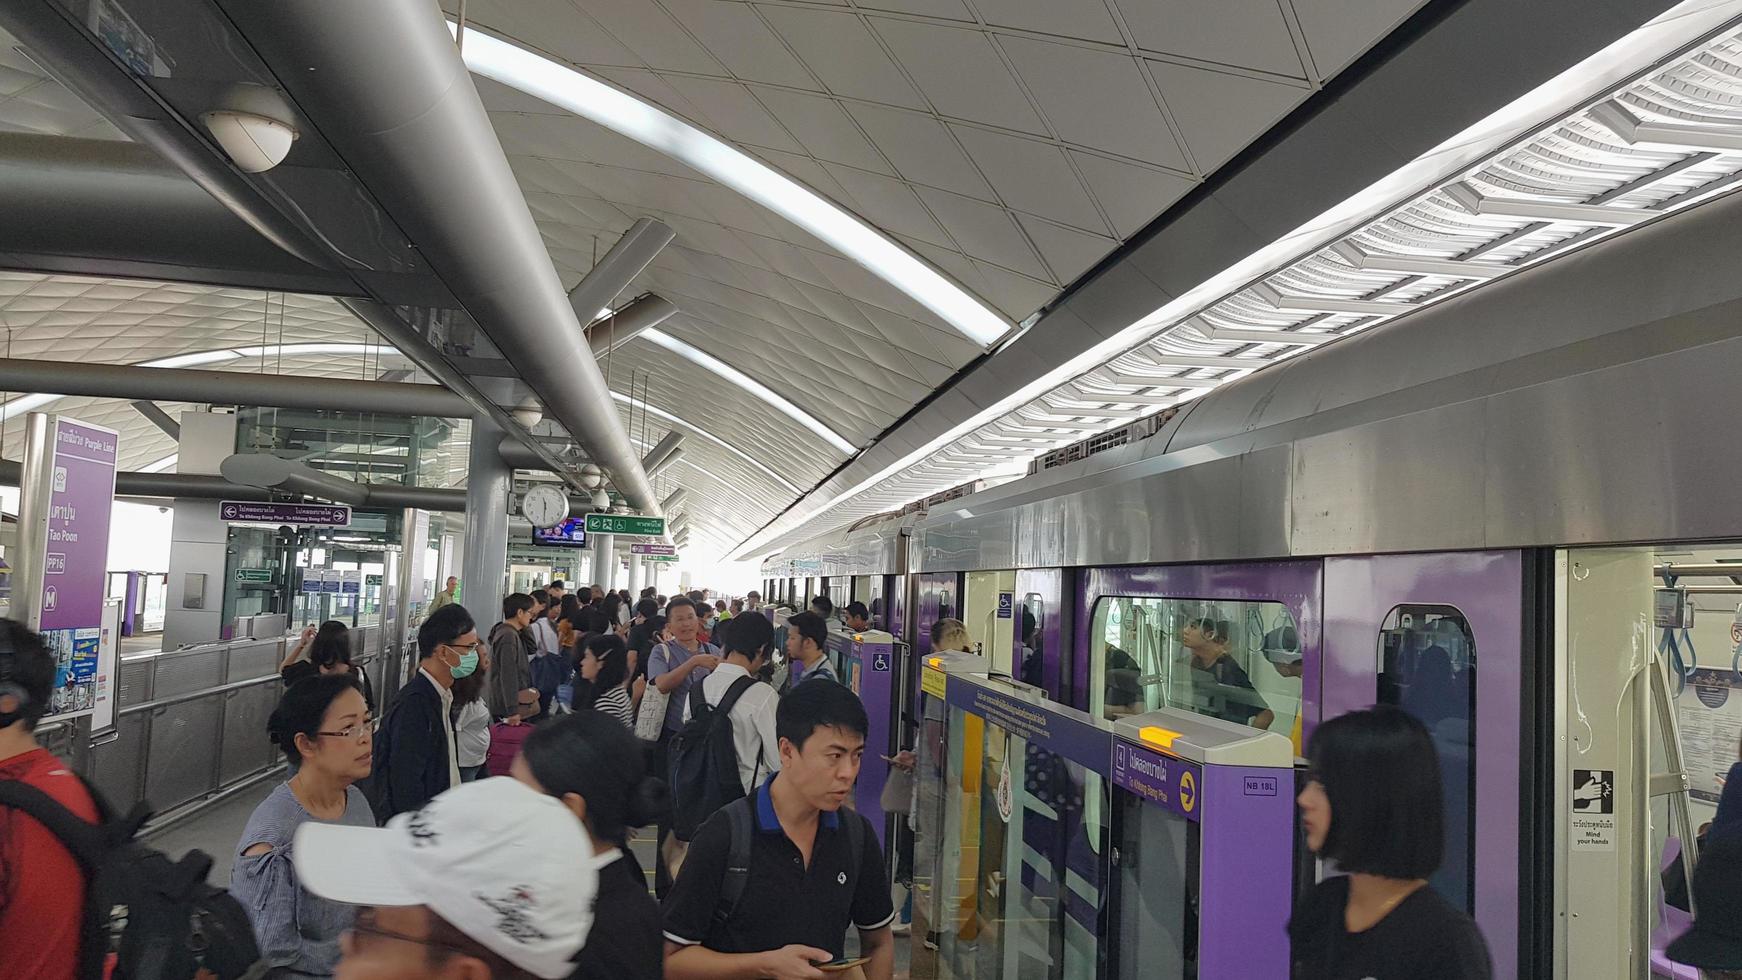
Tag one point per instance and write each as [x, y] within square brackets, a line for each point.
[69, 612]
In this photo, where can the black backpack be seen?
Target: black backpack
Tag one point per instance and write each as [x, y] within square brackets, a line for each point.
[158, 916]
[704, 760]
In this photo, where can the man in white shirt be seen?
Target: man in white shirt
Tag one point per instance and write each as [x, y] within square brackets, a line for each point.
[748, 642]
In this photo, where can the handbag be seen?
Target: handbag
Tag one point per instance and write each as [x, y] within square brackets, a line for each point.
[897, 791]
[650, 720]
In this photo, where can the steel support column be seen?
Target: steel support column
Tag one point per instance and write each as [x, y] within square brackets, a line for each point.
[488, 479]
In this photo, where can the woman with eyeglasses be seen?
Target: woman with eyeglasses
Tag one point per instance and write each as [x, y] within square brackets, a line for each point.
[322, 725]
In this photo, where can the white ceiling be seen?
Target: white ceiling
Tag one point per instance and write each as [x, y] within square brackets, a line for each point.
[1010, 143]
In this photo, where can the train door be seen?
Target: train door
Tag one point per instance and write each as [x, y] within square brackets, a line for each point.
[1442, 636]
[1042, 631]
[989, 612]
[1648, 731]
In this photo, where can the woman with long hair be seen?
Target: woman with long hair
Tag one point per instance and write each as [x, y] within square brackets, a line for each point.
[326, 650]
[471, 719]
[323, 726]
[594, 766]
[1373, 805]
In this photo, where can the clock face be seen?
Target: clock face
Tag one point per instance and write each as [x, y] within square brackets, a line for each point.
[545, 506]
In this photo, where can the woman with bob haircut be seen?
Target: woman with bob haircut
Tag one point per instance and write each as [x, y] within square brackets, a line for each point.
[593, 765]
[1373, 806]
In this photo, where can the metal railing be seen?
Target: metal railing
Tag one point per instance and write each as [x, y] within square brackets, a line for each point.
[190, 724]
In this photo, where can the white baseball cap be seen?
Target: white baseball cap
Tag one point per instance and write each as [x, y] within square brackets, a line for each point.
[501, 862]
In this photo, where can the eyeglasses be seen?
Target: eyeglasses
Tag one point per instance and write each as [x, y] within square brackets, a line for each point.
[468, 648]
[359, 731]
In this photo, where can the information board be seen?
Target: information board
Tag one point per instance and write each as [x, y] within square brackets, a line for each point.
[1710, 713]
[69, 612]
[628, 524]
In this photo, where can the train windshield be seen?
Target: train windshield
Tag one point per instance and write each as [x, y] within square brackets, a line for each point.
[1237, 661]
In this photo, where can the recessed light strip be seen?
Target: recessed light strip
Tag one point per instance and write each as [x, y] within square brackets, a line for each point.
[726, 371]
[585, 96]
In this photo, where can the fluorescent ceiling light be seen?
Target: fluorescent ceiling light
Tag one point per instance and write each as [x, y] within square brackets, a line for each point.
[191, 360]
[651, 126]
[720, 368]
[1617, 65]
[158, 466]
[705, 434]
[26, 403]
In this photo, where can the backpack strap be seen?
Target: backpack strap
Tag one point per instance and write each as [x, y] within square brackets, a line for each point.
[698, 701]
[735, 692]
[739, 821]
[84, 840]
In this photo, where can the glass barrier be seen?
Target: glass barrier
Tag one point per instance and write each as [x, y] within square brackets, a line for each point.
[1021, 889]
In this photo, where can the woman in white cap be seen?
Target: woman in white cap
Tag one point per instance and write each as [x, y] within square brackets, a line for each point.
[471, 887]
[594, 766]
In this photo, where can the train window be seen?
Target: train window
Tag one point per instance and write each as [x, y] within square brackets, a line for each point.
[1028, 640]
[1238, 661]
[1427, 667]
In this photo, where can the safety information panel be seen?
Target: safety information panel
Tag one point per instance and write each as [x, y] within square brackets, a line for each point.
[1710, 713]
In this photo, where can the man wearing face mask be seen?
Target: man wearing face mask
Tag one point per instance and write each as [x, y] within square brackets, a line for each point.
[415, 757]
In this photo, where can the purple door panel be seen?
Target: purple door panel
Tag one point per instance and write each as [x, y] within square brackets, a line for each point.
[1488, 588]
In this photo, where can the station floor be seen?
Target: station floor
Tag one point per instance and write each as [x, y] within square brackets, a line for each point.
[217, 830]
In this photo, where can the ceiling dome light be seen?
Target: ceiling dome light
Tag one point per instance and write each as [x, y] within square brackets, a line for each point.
[528, 413]
[601, 501]
[254, 142]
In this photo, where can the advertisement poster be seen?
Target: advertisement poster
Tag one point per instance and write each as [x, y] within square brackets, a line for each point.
[80, 500]
[1710, 714]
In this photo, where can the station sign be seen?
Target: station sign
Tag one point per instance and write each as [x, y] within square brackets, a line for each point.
[1171, 784]
[672, 557]
[254, 576]
[649, 527]
[652, 548]
[255, 512]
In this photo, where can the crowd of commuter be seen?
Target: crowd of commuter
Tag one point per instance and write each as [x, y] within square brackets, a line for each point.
[386, 852]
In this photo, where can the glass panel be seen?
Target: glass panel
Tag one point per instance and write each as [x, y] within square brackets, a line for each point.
[1027, 898]
[1158, 892]
[930, 846]
[1427, 667]
[1237, 661]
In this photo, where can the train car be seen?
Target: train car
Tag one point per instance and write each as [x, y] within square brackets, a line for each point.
[1510, 514]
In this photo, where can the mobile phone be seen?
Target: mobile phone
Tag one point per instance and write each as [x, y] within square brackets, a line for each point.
[836, 966]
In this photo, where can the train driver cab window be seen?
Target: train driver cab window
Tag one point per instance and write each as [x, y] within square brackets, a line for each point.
[1237, 661]
[1427, 667]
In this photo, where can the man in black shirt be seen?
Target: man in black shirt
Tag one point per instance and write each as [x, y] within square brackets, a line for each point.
[813, 866]
[1221, 688]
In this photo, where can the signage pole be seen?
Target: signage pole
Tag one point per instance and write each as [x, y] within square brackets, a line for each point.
[35, 486]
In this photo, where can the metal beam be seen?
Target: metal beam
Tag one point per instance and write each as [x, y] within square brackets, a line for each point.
[274, 473]
[1655, 135]
[1415, 265]
[424, 147]
[673, 499]
[1230, 335]
[1475, 202]
[640, 315]
[228, 388]
[661, 455]
[160, 418]
[1328, 304]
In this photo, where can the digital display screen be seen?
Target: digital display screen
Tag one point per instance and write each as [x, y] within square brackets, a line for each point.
[571, 533]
